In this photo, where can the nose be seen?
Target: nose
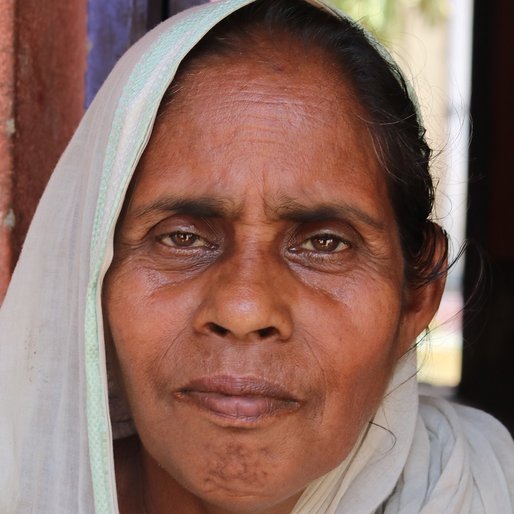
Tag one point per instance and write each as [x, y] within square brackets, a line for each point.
[246, 301]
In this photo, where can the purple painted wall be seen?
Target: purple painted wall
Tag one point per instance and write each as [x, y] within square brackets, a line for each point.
[175, 6]
[112, 27]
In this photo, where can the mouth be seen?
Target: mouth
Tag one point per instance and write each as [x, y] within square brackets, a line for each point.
[239, 399]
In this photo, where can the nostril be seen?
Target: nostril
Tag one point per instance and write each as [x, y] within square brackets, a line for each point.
[262, 333]
[217, 329]
[267, 332]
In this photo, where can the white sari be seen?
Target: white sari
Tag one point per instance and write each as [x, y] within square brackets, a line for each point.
[56, 452]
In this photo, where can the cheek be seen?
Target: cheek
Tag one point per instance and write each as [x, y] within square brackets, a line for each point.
[354, 319]
[355, 339]
[146, 318]
[141, 303]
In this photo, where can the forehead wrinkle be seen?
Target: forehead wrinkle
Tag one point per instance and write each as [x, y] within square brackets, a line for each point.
[255, 106]
[256, 86]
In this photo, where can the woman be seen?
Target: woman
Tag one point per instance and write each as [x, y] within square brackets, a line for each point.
[249, 254]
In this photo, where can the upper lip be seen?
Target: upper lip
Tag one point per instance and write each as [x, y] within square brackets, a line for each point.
[238, 386]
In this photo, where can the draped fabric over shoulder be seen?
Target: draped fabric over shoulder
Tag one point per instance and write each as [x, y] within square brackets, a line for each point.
[56, 449]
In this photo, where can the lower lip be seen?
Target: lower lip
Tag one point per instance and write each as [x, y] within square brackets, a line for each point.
[244, 408]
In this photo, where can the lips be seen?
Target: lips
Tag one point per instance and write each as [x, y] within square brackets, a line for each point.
[243, 399]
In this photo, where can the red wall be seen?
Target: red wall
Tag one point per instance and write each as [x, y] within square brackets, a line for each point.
[42, 67]
[7, 77]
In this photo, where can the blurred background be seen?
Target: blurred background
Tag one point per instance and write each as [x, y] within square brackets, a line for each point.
[54, 55]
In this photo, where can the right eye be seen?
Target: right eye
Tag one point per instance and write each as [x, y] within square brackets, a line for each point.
[181, 239]
[325, 243]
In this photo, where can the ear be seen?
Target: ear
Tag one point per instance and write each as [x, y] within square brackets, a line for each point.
[421, 302]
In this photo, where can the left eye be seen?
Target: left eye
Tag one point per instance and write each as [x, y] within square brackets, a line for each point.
[183, 240]
[325, 244]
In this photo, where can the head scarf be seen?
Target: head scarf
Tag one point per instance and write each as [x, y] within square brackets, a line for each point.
[56, 451]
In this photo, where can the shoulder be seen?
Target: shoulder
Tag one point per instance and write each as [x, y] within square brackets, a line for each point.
[470, 449]
[447, 420]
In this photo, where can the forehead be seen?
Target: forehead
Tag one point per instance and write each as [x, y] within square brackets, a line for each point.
[282, 125]
[280, 79]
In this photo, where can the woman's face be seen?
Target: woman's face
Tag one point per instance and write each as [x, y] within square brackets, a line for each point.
[256, 300]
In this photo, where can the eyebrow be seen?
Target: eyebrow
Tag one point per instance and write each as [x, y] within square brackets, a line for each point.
[326, 212]
[203, 207]
[208, 207]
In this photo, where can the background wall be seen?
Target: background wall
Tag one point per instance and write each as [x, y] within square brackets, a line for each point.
[42, 68]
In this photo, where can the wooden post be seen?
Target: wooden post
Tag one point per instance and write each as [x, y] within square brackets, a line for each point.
[42, 68]
[7, 128]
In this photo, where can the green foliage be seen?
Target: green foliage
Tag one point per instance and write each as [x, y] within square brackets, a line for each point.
[385, 18]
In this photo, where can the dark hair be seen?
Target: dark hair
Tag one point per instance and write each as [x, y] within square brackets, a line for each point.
[382, 91]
